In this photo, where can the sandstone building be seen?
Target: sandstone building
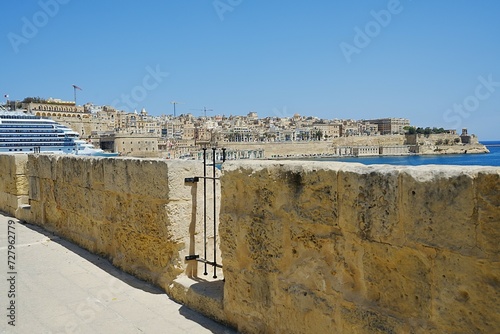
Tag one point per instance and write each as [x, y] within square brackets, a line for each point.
[143, 135]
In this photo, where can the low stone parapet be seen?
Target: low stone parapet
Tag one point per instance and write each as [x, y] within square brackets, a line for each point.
[347, 248]
[13, 183]
[139, 213]
[306, 247]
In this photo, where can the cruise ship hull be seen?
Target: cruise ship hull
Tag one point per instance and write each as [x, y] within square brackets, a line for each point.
[26, 133]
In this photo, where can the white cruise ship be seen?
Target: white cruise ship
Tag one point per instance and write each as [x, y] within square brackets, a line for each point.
[26, 133]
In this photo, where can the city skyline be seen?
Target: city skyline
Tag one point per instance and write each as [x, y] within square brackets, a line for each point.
[433, 63]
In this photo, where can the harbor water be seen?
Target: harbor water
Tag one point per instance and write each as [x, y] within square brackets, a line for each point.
[486, 159]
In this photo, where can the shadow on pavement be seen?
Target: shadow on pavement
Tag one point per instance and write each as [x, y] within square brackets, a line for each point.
[210, 325]
[98, 261]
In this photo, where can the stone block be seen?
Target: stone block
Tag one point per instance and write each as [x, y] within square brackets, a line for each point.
[98, 202]
[149, 217]
[352, 318]
[178, 171]
[97, 176]
[136, 176]
[12, 178]
[72, 198]
[104, 232]
[8, 164]
[22, 184]
[369, 203]
[76, 171]
[43, 166]
[397, 280]
[36, 213]
[8, 203]
[466, 294]
[312, 196]
[115, 209]
[21, 162]
[301, 310]
[488, 211]
[81, 230]
[438, 207]
[7, 183]
[146, 256]
[117, 175]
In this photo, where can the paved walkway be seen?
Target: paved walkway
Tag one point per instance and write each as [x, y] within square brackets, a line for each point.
[58, 287]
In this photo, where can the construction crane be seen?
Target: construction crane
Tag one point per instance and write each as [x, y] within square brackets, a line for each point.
[174, 103]
[204, 110]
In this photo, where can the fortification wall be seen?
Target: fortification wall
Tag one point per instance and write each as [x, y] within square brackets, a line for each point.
[139, 213]
[284, 149]
[427, 144]
[13, 183]
[347, 248]
[307, 247]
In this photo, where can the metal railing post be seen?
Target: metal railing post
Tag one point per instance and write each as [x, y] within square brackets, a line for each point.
[205, 206]
[215, 215]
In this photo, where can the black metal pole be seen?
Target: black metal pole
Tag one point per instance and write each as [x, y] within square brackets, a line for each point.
[215, 217]
[205, 206]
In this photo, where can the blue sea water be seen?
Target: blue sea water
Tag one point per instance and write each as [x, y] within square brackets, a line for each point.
[487, 159]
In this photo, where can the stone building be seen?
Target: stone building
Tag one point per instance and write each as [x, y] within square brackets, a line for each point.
[137, 145]
[389, 126]
[329, 130]
[54, 108]
[64, 112]
[394, 150]
[363, 151]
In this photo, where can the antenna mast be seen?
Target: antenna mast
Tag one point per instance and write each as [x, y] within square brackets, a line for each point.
[75, 87]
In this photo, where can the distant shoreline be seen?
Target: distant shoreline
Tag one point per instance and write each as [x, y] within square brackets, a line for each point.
[393, 145]
[491, 159]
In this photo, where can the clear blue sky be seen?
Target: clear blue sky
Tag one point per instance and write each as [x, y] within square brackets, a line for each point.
[434, 62]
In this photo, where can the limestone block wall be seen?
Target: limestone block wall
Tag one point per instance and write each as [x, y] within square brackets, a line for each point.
[138, 212]
[307, 247]
[318, 247]
[13, 182]
[284, 149]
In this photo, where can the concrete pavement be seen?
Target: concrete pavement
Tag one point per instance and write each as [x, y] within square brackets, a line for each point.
[49, 285]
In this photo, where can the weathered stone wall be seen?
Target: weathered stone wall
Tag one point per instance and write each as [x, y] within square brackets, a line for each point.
[137, 212]
[307, 247]
[423, 145]
[347, 248]
[13, 182]
[284, 149]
